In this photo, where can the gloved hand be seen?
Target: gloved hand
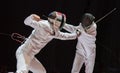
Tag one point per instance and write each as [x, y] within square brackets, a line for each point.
[78, 32]
[36, 17]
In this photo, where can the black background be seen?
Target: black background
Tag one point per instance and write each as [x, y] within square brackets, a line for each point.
[57, 56]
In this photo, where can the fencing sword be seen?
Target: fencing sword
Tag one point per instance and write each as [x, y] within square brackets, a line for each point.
[99, 21]
[105, 15]
[101, 18]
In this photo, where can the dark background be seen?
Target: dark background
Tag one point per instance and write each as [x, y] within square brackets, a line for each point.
[57, 56]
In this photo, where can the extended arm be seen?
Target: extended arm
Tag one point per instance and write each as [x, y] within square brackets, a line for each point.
[70, 28]
[67, 36]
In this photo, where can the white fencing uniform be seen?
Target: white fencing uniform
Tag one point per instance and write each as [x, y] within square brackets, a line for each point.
[85, 48]
[40, 36]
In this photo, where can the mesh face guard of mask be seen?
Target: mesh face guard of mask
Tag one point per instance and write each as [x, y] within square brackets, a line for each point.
[59, 17]
[87, 20]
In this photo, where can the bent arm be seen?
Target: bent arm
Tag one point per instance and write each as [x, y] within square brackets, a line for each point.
[92, 30]
[32, 21]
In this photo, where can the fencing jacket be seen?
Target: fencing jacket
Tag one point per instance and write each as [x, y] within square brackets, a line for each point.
[41, 35]
[86, 41]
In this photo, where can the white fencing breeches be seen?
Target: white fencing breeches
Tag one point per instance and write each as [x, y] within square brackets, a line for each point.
[80, 59]
[26, 63]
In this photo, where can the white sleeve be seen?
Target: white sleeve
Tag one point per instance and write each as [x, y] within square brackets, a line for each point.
[70, 28]
[95, 29]
[32, 23]
[65, 36]
[92, 30]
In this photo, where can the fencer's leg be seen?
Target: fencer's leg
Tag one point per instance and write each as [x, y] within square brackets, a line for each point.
[89, 63]
[21, 63]
[36, 66]
[78, 62]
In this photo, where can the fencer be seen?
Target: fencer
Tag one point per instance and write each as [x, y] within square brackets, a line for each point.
[86, 47]
[44, 31]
